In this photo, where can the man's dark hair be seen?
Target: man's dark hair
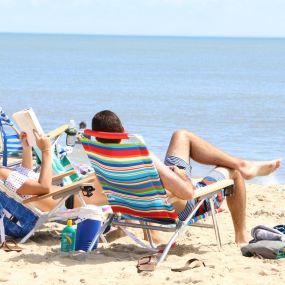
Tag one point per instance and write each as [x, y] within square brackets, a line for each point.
[107, 121]
[82, 125]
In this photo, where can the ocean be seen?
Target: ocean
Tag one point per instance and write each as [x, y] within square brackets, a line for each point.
[230, 91]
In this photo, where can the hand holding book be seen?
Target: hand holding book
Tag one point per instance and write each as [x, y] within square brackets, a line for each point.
[28, 122]
[24, 140]
[42, 141]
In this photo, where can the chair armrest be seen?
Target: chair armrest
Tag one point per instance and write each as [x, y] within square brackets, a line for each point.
[208, 190]
[58, 131]
[65, 190]
[62, 175]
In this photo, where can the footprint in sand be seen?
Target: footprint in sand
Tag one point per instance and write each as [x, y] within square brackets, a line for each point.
[4, 276]
[281, 215]
[263, 273]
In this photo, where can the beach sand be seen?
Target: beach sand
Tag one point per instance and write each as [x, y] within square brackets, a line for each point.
[115, 263]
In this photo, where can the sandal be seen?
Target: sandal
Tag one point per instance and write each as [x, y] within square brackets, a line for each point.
[190, 264]
[10, 245]
[147, 263]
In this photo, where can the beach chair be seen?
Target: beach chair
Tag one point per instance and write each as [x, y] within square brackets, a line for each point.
[61, 163]
[34, 218]
[135, 191]
[10, 145]
[12, 149]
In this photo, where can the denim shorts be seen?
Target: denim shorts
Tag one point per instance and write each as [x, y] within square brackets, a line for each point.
[212, 177]
[18, 220]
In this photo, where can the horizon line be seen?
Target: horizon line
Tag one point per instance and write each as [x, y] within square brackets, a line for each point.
[142, 35]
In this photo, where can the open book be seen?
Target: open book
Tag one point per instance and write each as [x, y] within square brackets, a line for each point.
[27, 122]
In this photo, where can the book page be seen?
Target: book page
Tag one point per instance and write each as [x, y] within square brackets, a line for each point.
[27, 122]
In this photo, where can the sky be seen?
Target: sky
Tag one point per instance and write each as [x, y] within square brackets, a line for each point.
[252, 18]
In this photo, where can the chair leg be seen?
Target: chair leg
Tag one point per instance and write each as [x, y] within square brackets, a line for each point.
[167, 248]
[103, 228]
[215, 223]
[2, 230]
[149, 237]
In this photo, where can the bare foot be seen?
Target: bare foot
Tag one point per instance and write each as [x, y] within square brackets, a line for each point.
[242, 239]
[156, 240]
[250, 169]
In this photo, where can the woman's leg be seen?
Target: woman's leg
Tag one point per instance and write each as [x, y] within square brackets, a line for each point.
[186, 145]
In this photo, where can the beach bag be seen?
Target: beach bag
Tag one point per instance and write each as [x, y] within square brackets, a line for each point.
[271, 249]
[17, 220]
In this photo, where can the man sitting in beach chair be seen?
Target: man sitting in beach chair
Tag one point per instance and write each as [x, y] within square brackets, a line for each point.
[175, 172]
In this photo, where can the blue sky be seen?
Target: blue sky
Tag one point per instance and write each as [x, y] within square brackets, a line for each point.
[145, 17]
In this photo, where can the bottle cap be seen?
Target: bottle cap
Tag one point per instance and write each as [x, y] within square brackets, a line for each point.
[72, 124]
[69, 223]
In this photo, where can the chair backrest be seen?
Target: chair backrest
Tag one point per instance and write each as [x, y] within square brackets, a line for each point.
[128, 176]
[11, 144]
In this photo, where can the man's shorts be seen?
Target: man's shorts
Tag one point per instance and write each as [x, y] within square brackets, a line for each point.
[212, 177]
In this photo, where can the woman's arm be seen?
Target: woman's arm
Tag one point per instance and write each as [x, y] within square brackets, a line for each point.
[27, 157]
[43, 185]
[4, 173]
[175, 180]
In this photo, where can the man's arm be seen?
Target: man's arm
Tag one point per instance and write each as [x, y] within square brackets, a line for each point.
[174, 180]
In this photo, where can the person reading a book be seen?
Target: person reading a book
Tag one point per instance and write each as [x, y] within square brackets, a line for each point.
[175, 172]
[23, 180]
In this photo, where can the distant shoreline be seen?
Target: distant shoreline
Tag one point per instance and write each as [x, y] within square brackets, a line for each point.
[222, 37]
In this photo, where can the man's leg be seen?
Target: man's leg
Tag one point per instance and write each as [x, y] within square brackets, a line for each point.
[237, 205]
[186, 145]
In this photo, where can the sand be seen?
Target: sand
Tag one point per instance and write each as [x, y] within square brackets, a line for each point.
[115, 263]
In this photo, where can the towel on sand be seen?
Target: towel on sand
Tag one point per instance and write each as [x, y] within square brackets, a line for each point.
[263, 232]
[271, 249]
[267, 242]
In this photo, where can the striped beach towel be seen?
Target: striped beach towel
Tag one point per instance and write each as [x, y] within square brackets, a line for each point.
[129, 178]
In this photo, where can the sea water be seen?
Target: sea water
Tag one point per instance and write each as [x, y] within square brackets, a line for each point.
[230, 91]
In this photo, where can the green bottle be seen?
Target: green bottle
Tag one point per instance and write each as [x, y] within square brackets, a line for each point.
[68, 236]
[71, 133]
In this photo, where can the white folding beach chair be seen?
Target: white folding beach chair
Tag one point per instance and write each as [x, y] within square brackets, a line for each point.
[37, 217]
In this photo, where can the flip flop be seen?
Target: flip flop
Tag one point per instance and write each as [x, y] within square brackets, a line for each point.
[190, 264]
[162, 247]
[10, 245]
[147, 263]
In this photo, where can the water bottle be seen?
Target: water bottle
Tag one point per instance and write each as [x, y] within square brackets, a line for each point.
[71, 133]
[68, 238]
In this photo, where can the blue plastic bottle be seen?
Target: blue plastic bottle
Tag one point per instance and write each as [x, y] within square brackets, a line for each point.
[68, 238]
